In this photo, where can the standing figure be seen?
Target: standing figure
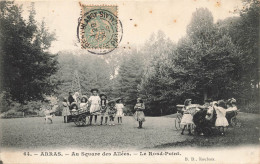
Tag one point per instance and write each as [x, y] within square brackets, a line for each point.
[119, 110]
[70, 99]
[139, 114]
[104, 110]
[66, 110]
[231, 109]
[111, 112]
[221, 120]
[76, 97]
[94, 102]
[187, 118]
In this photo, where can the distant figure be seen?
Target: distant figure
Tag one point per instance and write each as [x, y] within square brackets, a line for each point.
[70, 99]
[48, 115]
[111, 113]
[104, 108]
[187, 117]
[221, 120]
[66, 110]
[94, 101]
[84, 103]
[76, 97]
[119, 109]
[139, 114]
[231, 109]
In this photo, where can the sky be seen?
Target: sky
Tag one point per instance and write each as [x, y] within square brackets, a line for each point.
[139, 18]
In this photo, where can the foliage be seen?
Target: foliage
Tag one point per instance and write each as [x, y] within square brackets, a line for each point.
[26, 63]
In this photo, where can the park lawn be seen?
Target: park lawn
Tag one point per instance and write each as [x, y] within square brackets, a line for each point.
[247, 134]
[158, 133]
[33, 133]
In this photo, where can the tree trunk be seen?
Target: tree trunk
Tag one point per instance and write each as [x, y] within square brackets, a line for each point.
[205, 94]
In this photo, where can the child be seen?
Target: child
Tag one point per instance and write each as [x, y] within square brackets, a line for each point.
[187, 117]
[139, 114]
[94, 101]
[76, 97]
[84, 103]
[74, 107]
[221, 120]
[104, 111]
[111, 112]
[119, 110]
[65, 111]
[48, 115]
[231, 109]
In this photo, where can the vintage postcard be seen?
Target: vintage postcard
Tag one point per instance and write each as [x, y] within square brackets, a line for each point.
[144, 81]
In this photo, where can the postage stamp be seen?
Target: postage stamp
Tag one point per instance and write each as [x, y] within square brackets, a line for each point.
[99, 28]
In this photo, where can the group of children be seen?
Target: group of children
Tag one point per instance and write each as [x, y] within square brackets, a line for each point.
[98, 105]
[224, 111]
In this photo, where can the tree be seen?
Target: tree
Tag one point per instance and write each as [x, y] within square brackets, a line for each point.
[93, 72]
[129, 76]
[26, 63]
[244, 32]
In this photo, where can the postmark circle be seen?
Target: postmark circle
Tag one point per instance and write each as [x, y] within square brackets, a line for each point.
[98, 30]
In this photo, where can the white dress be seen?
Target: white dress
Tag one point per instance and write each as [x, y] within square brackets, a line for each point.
[187, 118]
[119, 110]
[94, 103]
[221, 117]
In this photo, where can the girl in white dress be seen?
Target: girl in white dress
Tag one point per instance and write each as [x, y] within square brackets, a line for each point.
[66, 110]
[221, 120]
[187, 117]
[119, 110]
[94, 102]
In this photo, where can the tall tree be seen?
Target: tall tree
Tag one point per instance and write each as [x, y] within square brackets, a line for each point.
[26, 63]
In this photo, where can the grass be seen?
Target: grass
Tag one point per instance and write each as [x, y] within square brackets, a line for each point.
[158, 133]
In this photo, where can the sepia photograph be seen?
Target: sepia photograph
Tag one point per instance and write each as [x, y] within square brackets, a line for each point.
[144, 81]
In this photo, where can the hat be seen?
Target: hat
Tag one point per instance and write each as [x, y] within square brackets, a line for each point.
[110, 102]
[74, 104]
[118, 99]
[186, 102]
[103, 95]
[84, 96]
[233, 101]
[92, 90]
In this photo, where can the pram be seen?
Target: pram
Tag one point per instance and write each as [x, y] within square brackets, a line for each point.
[79, 116]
